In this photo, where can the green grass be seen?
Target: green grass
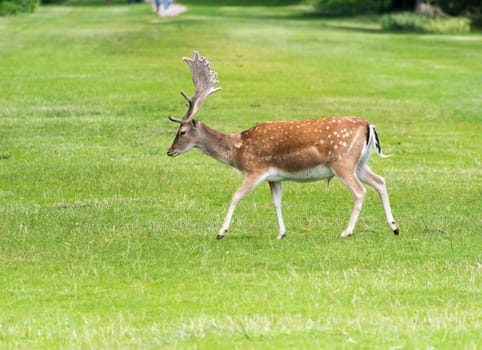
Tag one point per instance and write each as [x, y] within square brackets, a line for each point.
[105, 242]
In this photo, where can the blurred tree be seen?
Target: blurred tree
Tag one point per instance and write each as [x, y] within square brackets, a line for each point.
[451, 7]
[459, 7]
[13, 7]
[469, 8]
[404, 5]
[349, 7]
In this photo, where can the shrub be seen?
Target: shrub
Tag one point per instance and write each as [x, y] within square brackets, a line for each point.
[408, 21]
[13, 7]
[8, 8]
[475, 15]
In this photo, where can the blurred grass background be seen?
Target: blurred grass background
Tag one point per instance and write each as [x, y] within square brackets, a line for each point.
[107, 243]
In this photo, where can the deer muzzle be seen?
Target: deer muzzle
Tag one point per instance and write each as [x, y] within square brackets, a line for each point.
[172, 153]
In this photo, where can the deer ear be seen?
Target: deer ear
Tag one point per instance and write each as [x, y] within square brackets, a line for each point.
[194, 123]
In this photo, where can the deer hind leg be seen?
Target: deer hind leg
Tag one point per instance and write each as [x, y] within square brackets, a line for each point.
[277, 195]
[378, 183]
[248, 185]
[351, 181]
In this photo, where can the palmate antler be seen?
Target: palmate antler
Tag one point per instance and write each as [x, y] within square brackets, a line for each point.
[204, 80]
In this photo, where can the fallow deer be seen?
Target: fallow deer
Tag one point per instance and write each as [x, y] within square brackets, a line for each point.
[298, 151]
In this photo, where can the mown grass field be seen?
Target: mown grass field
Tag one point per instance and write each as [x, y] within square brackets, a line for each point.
[106, 243]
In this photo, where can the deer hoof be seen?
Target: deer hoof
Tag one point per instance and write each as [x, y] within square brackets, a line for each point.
[282, 236]
[218, 237]
[395, 228]
[345, 234]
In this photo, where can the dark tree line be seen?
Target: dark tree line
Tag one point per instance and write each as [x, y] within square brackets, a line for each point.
[451, 7]
[468, 8]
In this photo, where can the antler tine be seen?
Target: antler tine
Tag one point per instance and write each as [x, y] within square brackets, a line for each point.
[204, 80]
[174, 119]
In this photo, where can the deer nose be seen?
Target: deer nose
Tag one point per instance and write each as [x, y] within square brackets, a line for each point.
[172, 153]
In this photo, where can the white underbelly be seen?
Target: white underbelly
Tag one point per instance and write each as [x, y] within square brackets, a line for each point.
[319, 172]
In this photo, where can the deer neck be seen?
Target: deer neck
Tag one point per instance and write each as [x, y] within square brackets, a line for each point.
[220, 146]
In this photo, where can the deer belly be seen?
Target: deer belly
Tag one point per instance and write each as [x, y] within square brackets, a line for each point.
[319, 172]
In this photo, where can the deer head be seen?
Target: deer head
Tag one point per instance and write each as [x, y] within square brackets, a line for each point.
[204, 80]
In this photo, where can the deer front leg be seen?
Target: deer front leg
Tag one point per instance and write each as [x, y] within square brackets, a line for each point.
[248, 185]
[277, 195]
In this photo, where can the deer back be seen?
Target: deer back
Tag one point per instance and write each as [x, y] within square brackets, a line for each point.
[299, 145]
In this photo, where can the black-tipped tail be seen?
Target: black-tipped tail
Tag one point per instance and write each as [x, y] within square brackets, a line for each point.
[377, 142]
[373, 138]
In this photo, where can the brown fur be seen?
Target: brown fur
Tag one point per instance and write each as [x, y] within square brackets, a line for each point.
[300, 145]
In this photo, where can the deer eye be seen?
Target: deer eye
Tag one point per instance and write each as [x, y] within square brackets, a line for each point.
[182, 133]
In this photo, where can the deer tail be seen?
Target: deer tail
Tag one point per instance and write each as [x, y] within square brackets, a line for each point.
[373, 139]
